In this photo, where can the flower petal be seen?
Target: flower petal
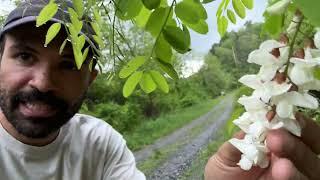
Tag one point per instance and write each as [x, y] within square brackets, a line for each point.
[267, 73]
[243, 122]
[292, 126]
[284, 109]
[252, 103]
[317, 39]
[269, 45]
[261, 57]
[302, 100]
[245, 163]
[251, 81]
[300, 75]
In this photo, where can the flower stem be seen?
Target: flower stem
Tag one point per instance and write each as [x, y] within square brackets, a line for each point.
[292, 45]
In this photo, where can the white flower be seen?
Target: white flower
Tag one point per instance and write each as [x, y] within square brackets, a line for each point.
[264, 90]
[252, 103]
[279, 7]
[253, 153]
[317, 39]
[311, 53]
[302, 73]
[285, 103]
[294, 24]
[291, 125]
[270, 64]
[257, 124]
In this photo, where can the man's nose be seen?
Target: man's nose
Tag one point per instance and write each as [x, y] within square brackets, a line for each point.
[43, 80]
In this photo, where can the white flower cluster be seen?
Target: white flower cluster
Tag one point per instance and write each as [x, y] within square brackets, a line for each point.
[276, 96]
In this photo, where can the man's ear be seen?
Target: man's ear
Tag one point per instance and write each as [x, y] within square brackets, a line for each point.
[93, 75]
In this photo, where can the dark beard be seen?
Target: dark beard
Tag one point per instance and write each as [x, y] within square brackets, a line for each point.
[37, 127]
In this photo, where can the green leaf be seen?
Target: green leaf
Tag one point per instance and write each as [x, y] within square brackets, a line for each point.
[273, 24]
[85, 54]
[99, 40]
[81, 41]
[163, 50]
[201, 27]
[248, 3]
[97, 15]
[78, 6]
[77, 56]
[151, 4]
[200, 8]
[239, 8]
[316, 73]
[186, 35]
[157, 20]
[231, 16]
[96, 28]
[91, 3]
[63, 45]
[132, 66]
[222, 25]
[160, 81]
[127, 10]
[168, 68]
[52, 32]
[310, 9]
[147, 84]
[91, 65]
[75, 20]
[207, 1]
[220, 8]
[131, 83]
[187, 11]
[176, 38]
[142, 18]
[46, 14]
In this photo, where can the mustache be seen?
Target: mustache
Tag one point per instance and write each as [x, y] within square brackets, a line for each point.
[35, 95]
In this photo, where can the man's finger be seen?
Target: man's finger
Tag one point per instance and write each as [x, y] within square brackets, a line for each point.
[284, 169]
[310, 132]
[285, 145]
[228, 154]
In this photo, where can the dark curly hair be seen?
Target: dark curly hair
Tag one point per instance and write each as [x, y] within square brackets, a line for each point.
[2, 42]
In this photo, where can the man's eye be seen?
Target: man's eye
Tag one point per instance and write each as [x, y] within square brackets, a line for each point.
[68, 65]
[24, 57]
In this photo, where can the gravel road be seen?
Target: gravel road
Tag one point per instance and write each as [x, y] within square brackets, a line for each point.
[181, 158]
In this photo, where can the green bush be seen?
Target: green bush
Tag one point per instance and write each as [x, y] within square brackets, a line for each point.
[121, 117]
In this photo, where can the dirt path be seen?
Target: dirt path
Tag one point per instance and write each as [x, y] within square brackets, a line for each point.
[188, 140]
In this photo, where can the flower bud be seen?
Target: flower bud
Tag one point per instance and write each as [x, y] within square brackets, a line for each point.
[292, 28]
[279, 7]
[280, 77]
[270, 115]
[275, 52]
[283, 38]
[299, 53]
[309, 43]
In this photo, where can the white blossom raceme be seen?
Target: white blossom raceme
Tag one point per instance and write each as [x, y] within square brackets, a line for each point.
[279, 88]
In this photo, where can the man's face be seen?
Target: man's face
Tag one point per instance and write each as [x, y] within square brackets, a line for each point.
[40, 90]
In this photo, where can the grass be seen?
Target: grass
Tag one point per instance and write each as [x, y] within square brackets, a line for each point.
[149, 132]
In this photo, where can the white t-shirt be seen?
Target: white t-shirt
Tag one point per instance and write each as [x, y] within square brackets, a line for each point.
[86, 148]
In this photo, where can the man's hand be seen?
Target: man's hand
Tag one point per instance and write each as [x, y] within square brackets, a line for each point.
[291, 158]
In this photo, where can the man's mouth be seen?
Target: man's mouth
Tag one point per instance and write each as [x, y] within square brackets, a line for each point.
[37, 109]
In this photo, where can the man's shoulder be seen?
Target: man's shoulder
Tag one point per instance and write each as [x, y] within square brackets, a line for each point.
[90, 129]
